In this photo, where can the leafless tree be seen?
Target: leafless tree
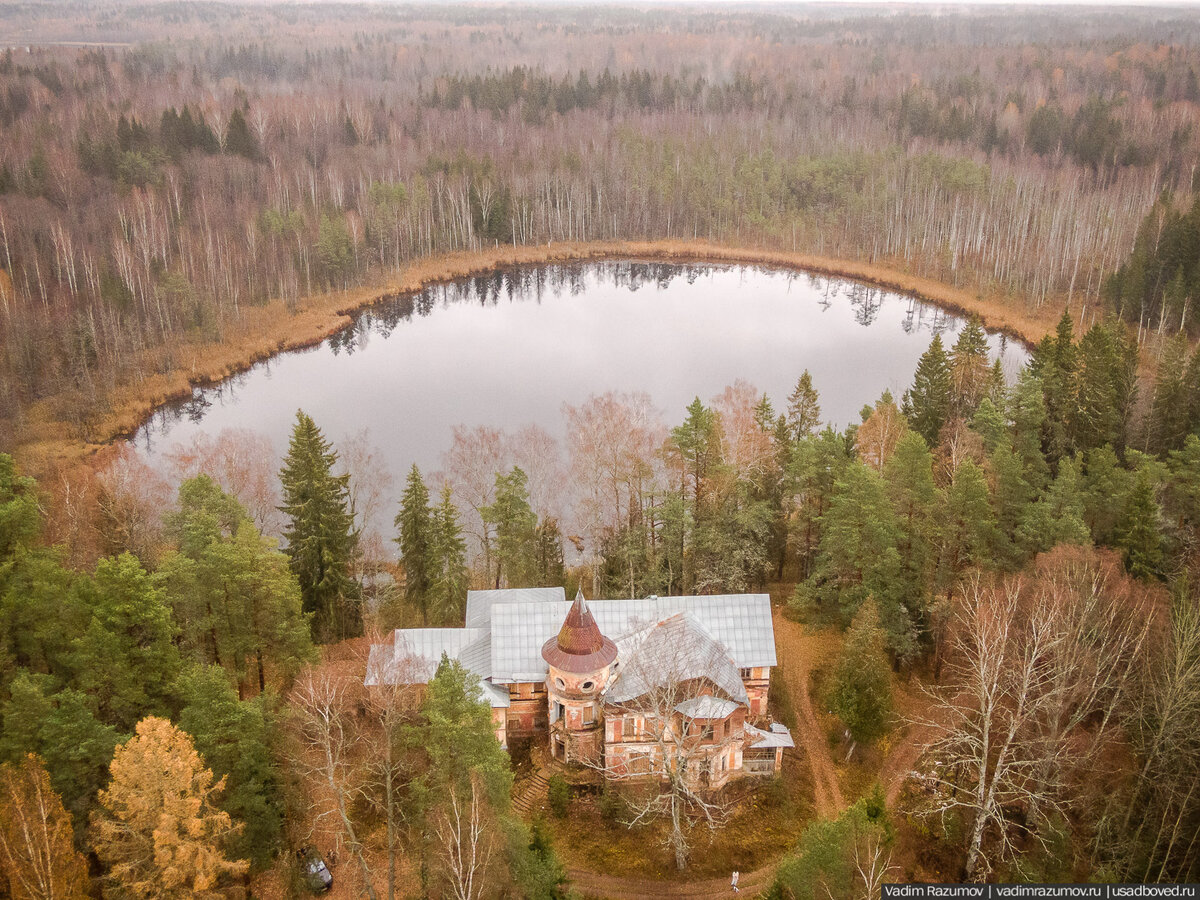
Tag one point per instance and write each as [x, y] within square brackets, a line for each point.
[673, 697]
[466, 842]
[323, 702]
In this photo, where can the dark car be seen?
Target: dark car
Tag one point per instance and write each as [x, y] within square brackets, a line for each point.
[314, 871]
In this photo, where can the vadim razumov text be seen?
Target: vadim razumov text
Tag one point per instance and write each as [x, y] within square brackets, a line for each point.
[1038, 891]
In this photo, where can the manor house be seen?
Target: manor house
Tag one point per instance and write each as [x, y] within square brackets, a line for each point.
[619, 685]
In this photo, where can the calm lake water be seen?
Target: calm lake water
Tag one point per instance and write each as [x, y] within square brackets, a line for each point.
[509, 349]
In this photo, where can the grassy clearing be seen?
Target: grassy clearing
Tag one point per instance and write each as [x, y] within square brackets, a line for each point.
[45, 441]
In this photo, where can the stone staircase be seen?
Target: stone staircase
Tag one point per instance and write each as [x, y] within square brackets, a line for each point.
[531, 795]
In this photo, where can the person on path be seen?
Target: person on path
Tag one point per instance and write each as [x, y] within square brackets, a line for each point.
[733, 883]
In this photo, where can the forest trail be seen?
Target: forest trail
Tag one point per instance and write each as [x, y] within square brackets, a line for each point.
[799, 649]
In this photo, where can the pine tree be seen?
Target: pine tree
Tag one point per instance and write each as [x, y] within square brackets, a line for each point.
[989, 424]
[320, 534]
[804, 407]
[1098, 417]
[448, 553]
[158, 829]
[235, 739]
[126, 660]
[861, 694]
[232, 592]
[1058, 516]
[37, 843]
[927, 402]
[415, 527]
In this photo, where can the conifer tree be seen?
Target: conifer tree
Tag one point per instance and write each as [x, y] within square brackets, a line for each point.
[158, 829]
[235, 739]
[1058, 515]
[238, 138]
[927, 402]
[320, 534]
[804, 407]
[448, 553]
[968, 523]
[861, 693]
[1138, 532]
[969, 369]
[1170, 410]
[516, 530]
[415, 527]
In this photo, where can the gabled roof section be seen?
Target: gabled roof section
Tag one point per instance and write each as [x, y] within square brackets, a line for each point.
[778, 736]
[742, 623]
[415, 653]
[480, 603]
[677, 654]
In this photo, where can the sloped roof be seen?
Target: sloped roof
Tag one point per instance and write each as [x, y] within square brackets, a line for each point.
[415, 653]
[706, 707]
[579, 646]
[778, 736]
[741, 622]
[480, 603]
[677, 650]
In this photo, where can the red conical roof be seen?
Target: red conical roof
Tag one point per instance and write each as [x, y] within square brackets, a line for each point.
[579, 646]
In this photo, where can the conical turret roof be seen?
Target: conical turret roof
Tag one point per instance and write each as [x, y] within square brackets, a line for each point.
[579, 646]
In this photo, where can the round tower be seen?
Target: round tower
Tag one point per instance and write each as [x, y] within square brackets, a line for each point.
[580, 661]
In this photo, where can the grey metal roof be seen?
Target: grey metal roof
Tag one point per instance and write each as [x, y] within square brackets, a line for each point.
[415, 653]
[480, 603]
[676, 651]
[706, 707]
[741, 622]
[778, 736]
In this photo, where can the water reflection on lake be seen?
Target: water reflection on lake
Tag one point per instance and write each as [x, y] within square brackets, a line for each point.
[510, 348]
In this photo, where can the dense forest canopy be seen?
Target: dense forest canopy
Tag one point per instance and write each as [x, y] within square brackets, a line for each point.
[166, 165]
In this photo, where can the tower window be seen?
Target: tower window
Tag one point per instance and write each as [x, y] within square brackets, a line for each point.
[588, 686]
[559, 683]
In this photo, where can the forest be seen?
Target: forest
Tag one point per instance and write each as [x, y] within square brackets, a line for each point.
[1034, 540]
[155, 190]
[1004, 573]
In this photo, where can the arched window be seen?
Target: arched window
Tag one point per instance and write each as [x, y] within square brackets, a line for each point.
[559, 683]
[588, 686]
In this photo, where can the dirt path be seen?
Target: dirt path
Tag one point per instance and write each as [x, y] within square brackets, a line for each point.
[611, 887]
[799, 649]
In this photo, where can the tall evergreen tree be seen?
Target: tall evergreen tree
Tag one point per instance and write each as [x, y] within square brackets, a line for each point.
[1170, 409]
[235, 738]
[970, 371]
[321, 539]
[415, 526]
[239, 139]
[1058, 515]
[861, 694]
[448, 554]
[927, 402]
[804, 407]
[1138, 533]
[516, 530]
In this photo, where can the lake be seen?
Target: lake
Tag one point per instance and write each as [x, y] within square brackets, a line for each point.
[510, 348]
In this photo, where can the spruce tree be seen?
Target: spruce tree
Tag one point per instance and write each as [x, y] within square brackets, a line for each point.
[804, 407]
[320, 534]
[1138, 532]
[861, 693]
[238, 138]
[516, 530]
[415, 527]
[927, 402]
[970, 371]
[448, 554]
[1169, 413]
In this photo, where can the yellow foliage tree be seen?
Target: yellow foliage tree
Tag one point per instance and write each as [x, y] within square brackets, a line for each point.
[157, 828]
[37, 842]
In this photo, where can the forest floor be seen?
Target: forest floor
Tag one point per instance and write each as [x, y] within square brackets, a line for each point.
[47, 441]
